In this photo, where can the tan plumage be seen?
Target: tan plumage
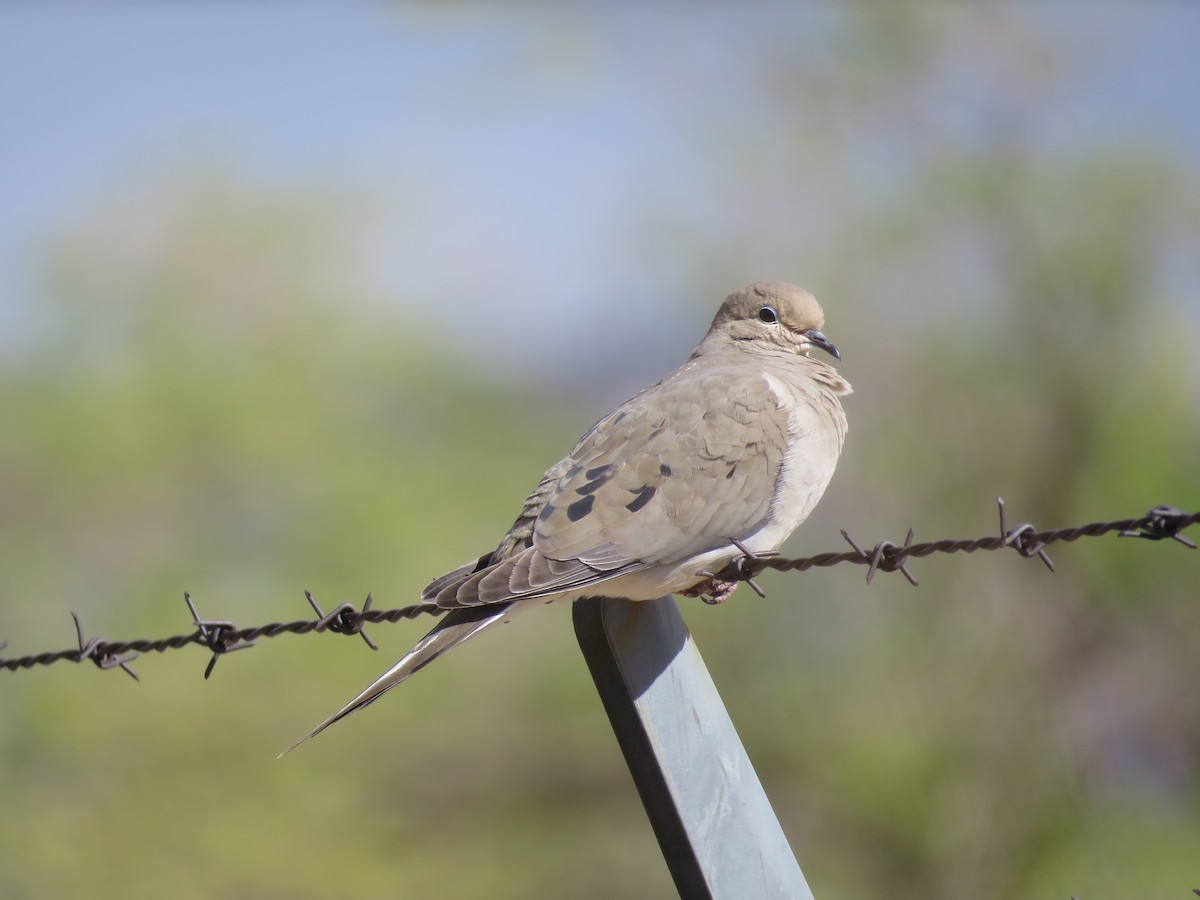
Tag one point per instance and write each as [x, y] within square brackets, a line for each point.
[738, 443]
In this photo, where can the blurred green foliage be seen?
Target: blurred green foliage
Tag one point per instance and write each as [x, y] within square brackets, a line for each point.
[217, 405]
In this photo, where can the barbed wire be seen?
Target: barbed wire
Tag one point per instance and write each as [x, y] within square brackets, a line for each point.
[1160, 523]
[221, 636]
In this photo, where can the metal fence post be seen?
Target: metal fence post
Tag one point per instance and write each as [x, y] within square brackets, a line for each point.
[713, 820]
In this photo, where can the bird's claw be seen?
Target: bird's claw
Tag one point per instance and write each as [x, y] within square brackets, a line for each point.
[712, 590]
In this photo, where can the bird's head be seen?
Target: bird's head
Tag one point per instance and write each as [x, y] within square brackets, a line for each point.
[771, 314]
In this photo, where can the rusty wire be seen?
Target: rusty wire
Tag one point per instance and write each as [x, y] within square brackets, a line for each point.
[221, 636]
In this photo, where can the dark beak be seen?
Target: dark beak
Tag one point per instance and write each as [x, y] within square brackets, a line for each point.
[819, 340]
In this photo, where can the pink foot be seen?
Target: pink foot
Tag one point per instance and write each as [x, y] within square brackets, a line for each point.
[713, 590]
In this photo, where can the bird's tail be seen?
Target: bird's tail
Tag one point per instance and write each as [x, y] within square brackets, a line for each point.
[452, 630]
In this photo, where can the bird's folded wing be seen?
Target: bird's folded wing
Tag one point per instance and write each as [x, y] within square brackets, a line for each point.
[678, 470]
[436, 586]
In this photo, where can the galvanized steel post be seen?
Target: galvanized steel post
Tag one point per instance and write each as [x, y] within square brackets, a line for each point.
[713, 821]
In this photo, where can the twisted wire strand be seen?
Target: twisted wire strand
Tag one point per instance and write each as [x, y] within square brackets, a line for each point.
[222, 636]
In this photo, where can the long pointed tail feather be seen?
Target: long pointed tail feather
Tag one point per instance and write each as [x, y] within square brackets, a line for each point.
[452, 630]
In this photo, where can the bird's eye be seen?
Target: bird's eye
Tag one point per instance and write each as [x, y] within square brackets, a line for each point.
[767, 314]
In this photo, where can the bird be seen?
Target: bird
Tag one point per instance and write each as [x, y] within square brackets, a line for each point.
[722, 458]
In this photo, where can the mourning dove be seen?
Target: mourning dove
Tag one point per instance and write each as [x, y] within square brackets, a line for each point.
[724, 456]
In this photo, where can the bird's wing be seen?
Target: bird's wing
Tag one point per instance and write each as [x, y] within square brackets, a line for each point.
[678, 470]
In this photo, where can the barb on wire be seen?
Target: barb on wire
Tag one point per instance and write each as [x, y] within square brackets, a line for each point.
[101, 653]
[748, 555]
[1164, 522]
[221, 636]
[344, 619]
[218, 635]
[886, 556]
[1023, 538]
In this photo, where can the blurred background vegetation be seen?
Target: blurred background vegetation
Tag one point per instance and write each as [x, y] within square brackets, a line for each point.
[310, 299]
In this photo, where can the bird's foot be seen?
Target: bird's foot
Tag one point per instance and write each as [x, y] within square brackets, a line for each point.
[713, 590]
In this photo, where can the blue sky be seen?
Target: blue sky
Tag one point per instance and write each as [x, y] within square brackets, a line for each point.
[532, 138]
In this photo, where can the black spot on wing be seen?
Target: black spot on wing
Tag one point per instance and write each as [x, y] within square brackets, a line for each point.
[547, 511]
[732, 469]
[580, 508]
[598, 473]
[664, 470]
[641, 498]
[592, 485]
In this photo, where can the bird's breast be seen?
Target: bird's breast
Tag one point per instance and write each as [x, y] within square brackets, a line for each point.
[814, 442]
